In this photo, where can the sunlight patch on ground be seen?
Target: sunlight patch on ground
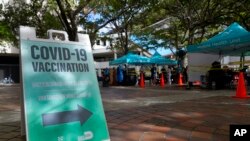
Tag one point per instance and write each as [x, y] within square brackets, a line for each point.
[9, 116]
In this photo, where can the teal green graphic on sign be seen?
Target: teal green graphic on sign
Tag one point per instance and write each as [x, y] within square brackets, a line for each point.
[61, 94]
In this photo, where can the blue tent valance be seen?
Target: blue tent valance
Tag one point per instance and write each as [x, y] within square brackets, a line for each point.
[132, 59]
[234, 41]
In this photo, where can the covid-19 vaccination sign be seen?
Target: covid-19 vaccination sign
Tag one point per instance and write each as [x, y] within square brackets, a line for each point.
[61, 95]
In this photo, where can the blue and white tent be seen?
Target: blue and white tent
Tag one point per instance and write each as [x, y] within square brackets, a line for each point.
[234, 41]
[159, 60]
[131, 59]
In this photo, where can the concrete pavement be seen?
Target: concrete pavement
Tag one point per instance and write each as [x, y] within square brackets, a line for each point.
[150, 114]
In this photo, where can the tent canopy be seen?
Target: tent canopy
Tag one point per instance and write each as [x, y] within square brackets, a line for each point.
[132, 59]
[159, 60]
[233, 41]
[156, 54]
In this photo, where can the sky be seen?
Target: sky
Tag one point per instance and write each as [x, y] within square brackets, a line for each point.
[104, 30]
[161, 51]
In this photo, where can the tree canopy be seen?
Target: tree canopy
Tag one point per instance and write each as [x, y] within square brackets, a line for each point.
[157, 23]
[184, 22]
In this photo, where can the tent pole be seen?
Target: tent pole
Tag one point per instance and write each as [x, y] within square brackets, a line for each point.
[240, 62]
[243, 60]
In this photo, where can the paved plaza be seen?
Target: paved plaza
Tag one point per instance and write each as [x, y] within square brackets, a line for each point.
[149, 114]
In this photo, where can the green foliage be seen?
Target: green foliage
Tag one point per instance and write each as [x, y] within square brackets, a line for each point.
[126, 15]
[35, 14]
[191, 21]
[159, 23]
[5, 33]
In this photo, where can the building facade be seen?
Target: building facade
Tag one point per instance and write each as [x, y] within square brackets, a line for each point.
[9, 64]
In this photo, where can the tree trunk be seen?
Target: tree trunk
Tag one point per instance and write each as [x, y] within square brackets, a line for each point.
[126, 40]
[72, 34]
[64, 16]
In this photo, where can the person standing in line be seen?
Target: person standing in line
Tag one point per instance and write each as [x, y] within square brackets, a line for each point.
[143, 73]
[119, 75]
[169, 75]
[125, 74]
[111, 72]
[114, 76]
[164, 72]
[153, 75]
[106, 78]
[185, 74]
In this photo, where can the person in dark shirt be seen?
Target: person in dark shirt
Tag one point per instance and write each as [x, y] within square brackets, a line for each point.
[153, 75]
[106, 77]
[164, 72]
[216, 76]
[185, 74]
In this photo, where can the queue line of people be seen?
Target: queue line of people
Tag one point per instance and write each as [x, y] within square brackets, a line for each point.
[121, 75]
[155, 75]
[114, 76]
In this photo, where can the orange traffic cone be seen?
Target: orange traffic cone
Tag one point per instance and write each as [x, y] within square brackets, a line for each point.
[141, 83]
[180, 80]
[241, 88]
[162, 80]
